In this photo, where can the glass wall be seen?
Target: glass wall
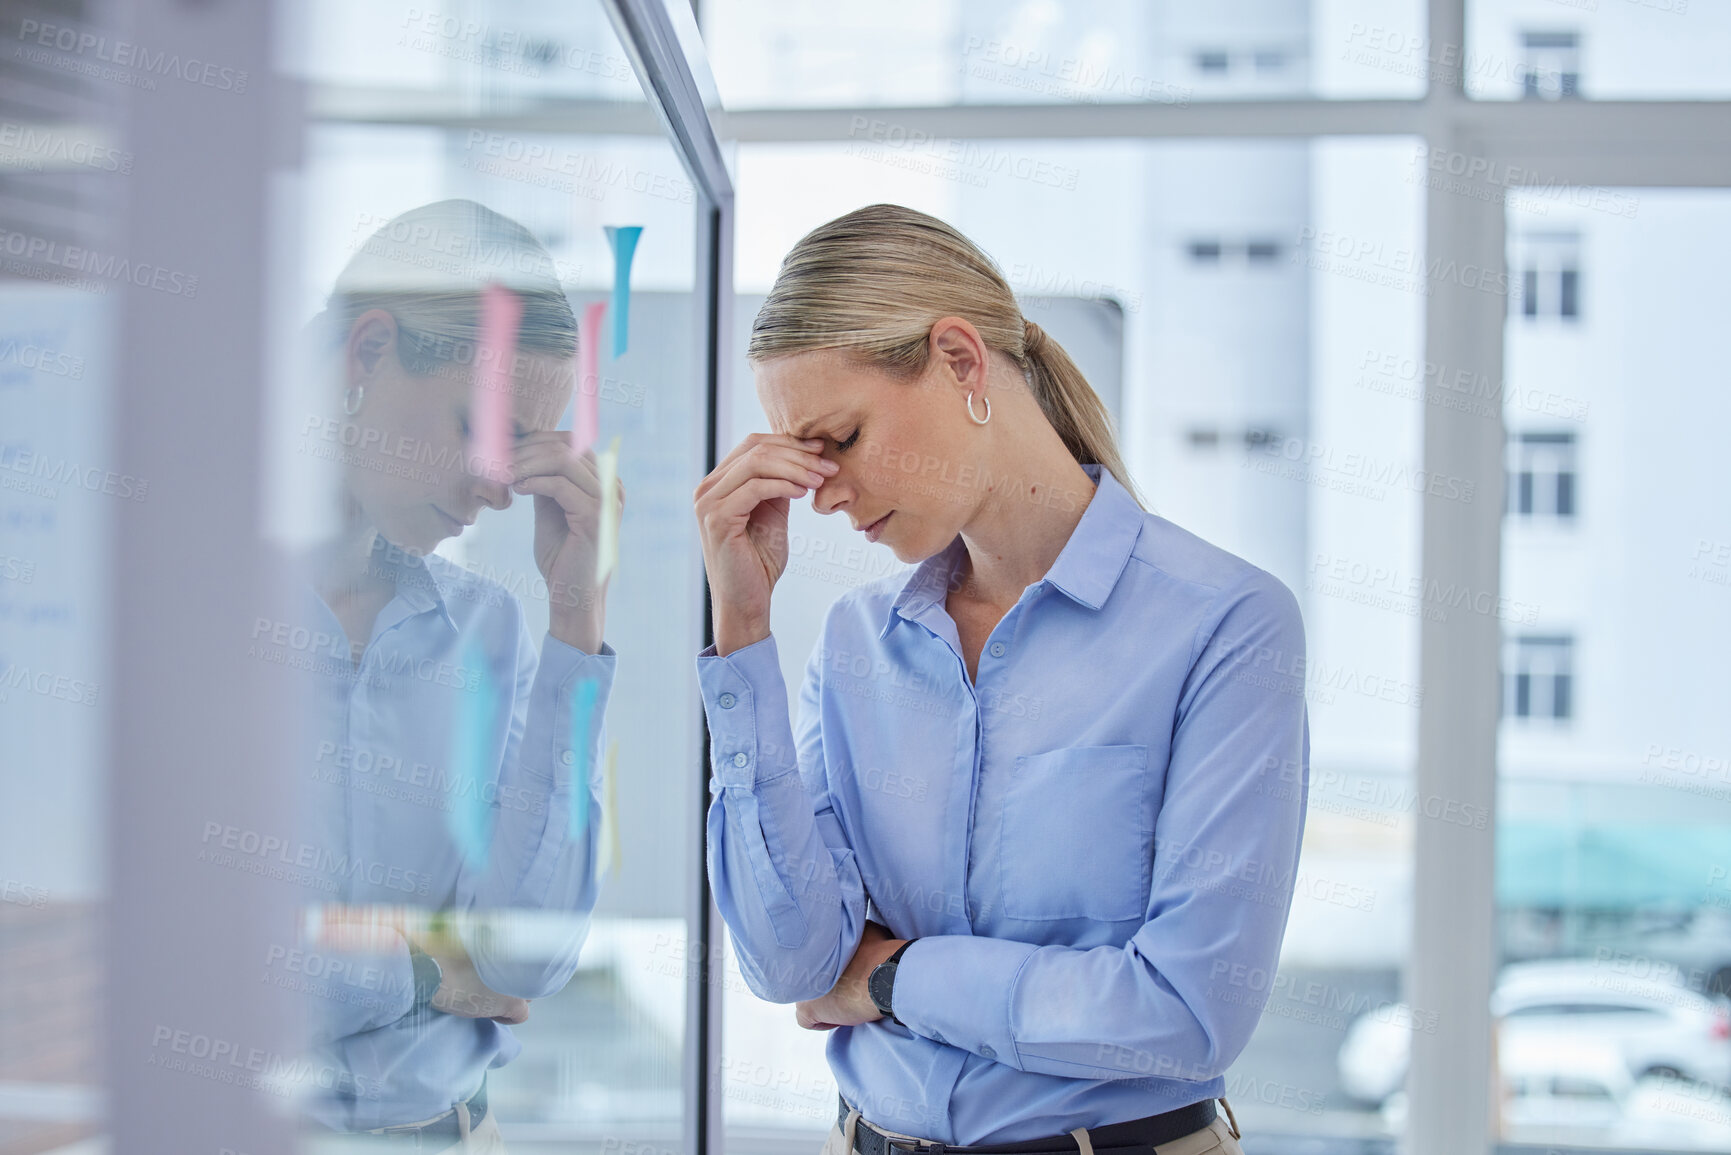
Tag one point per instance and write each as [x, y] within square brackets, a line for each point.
[421, 578]
[62, 491]
[569, 876]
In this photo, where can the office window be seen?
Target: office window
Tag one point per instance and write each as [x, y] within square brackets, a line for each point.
[829, 54]
[1610, 817]
[1538, 677]
[1205, 252]
[1549, 263]
[1253, 438]
[1640, 49]
[1213, 61]
[1550, 65]
[1541, 475]
[1214, 251]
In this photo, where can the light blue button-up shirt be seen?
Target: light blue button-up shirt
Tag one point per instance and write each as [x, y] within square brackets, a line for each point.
[1095, 841]
[440, 774]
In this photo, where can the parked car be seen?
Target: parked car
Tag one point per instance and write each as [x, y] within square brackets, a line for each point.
[1674, 1115]
[1659, 1027]
[1563, 1091]
[1553, 1091]
[1560, 1090]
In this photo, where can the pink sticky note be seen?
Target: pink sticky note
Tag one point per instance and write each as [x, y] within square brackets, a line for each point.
[586, 418]
[490, 399]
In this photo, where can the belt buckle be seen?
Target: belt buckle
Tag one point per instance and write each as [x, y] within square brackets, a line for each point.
[923, 1147]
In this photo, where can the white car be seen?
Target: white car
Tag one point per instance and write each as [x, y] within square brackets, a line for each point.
[1553, 1091]
[1660, 1027]
[1560, 1090]
[1567, 1091]
[1674, 1115]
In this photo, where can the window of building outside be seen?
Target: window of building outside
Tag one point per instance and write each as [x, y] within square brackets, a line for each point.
[1549, 263]
[1550, 65]
[1541, 478]
[1234, 252]
[1539, 680]
[1588, 50]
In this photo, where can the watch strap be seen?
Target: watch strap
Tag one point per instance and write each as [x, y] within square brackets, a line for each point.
[880, 984]
[428, 976]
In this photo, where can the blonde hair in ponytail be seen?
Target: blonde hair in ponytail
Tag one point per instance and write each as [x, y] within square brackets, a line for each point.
[874, 281]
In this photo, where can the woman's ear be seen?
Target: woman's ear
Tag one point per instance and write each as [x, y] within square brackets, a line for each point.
[372, 338]
[957, 345]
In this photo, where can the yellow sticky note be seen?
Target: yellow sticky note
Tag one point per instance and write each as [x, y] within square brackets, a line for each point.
[610, 848]
[607, 548]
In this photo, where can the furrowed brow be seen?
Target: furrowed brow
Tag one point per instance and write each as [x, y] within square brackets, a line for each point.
[805, 430]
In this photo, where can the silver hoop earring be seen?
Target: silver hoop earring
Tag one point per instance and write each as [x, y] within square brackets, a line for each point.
[352, 399]
[987, 417]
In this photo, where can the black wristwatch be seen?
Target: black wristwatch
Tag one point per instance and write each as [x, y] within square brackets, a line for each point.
[428, 976]
[881, 983]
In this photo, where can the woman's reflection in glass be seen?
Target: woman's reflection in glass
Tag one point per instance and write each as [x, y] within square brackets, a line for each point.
[451, 770]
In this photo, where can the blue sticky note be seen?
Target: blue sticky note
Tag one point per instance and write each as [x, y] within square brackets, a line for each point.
[582, 728]
[623, 238]
[469, 819]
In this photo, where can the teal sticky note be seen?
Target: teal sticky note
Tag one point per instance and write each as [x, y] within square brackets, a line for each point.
[623, 239]
[583, 724]
[470, 817]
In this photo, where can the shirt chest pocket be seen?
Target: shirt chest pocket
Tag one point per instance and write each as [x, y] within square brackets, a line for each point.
[1078, 835]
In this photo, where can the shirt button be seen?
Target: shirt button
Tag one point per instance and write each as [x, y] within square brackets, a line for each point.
[727, 701]
[997, 649]
[740, 759]
[569, 757]
[988, 1052]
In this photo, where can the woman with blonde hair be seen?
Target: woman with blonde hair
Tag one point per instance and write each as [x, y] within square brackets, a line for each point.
[1041, 813]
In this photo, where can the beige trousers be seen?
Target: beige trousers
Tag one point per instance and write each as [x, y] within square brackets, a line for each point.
[1218, 1138]
[483, 1140]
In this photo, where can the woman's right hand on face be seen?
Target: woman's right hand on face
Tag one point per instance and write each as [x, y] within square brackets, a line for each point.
[742, 509]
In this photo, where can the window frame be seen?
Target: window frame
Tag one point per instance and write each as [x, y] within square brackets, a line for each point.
[1653, 144]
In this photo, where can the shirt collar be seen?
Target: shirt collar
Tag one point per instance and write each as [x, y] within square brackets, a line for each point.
[1087, 569]
[423, 583]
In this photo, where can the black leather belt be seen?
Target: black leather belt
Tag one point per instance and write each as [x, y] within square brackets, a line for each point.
[1134, 1137]
[441, 1132]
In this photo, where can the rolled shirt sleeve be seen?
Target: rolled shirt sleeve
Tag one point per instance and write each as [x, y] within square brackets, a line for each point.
[357, 991]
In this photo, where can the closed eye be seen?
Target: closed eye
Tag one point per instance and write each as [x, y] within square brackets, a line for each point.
[844, 446]
[518, 429]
